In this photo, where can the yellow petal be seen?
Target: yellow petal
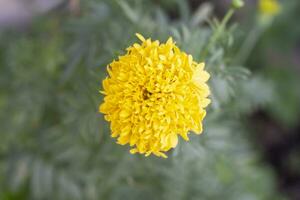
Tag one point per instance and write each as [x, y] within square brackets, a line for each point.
[133, 151]
[140, 37]
[124, 114]
[174, 140]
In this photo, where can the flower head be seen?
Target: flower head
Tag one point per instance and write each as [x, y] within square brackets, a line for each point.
[154, 93]
[269, 8]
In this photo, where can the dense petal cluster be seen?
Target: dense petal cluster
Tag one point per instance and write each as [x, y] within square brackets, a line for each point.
[269, 7]
[154, 93]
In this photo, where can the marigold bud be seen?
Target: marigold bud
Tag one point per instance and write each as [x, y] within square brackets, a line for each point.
[236, 4]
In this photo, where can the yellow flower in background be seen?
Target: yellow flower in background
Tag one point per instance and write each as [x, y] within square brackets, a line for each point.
[269, 7]
[154, 93]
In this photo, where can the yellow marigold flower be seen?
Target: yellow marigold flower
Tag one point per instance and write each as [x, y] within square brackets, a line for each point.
[269, 7]
[154, 93]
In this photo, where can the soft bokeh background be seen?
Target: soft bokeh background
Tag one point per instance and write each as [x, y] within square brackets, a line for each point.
[55, 145]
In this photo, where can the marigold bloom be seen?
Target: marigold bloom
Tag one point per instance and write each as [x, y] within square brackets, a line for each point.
[154, 93]
[269, 7]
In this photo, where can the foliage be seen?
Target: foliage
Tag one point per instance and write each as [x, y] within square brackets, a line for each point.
[54, 143]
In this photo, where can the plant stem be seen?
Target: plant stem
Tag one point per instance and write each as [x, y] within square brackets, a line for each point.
[218, 32]
[249, 44]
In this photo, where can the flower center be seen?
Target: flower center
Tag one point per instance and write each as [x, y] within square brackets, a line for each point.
[146, 94]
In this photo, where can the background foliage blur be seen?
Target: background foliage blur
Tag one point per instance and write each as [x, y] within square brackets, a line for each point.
[55, 145]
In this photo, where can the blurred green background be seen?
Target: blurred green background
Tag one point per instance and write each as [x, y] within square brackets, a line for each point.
[55, 145]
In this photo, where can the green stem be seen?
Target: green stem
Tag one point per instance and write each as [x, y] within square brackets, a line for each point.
[218, 32]
[249, 44]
